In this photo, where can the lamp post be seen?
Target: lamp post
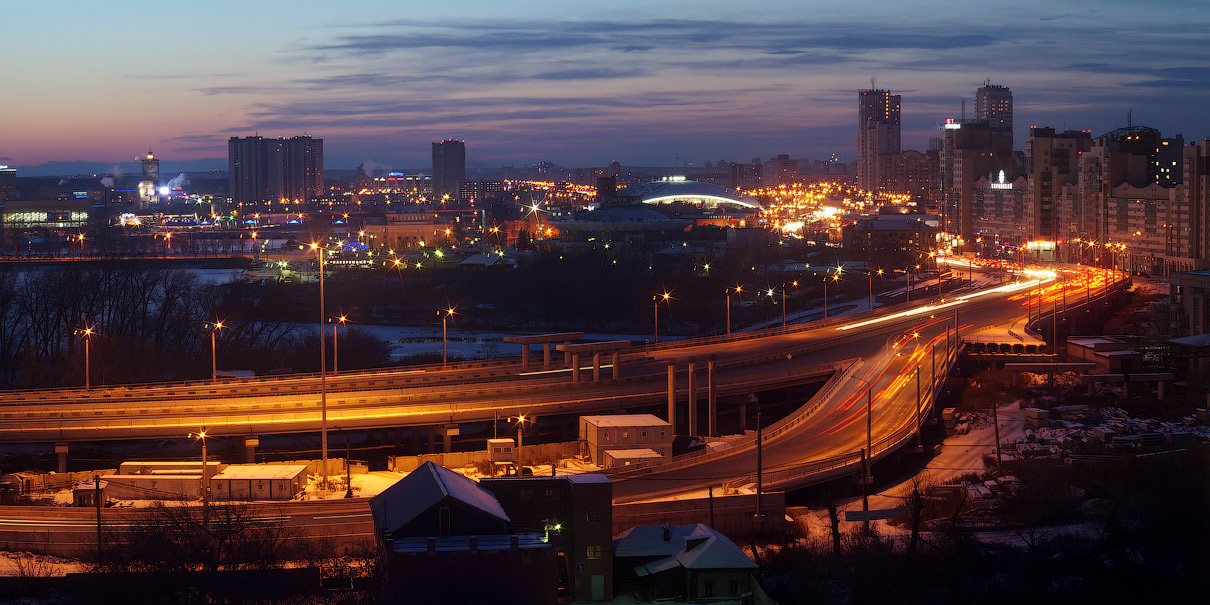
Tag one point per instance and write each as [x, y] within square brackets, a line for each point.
[348, 463]
[336, 321]
[323, 367]
[214, 327]
[871, 276]
[201, 436]
[446, 315]
[738, 290]
[835, 278]
[655, 307]
[87, 333]
[520, 430]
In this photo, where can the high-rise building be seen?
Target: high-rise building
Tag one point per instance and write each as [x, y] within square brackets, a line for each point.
[449, 167]
[994, 104]
[966, 155]
[149, 184]
[268, 171]
[877, 133]
[780, 170]
[1052, 161]
[8, 183]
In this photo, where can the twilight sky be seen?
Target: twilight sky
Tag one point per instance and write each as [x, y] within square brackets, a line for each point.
[575, 83]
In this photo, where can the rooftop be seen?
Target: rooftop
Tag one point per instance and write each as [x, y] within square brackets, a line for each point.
[617, 420]
[261, 471]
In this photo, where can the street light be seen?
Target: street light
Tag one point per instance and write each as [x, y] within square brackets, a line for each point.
[447, 313]
[835, 278]
[323, 368]
[738, 290]
[348, 463]
[655, 306]
[87, 333]
[336, 321]
[871, 276]
[520, 430]
[201, 436]
[214, 327]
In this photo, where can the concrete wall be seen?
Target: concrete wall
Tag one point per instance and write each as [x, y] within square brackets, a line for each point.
[526, 454]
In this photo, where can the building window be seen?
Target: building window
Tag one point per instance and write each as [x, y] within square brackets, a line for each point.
[594, 552]
[708, 588]
[625, 434]
[733, 588]
[527, 494]
[644, 434]
[593, 517]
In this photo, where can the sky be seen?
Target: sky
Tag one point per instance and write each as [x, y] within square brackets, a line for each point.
[579, 84]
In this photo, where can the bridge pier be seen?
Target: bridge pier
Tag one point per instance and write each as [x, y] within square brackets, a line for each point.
[693, 397]
[617, 363]
[250, 445]
[525, 357]
[61, 453]
[575, 367]
[596, 366]
[446, 432]
[545, 355]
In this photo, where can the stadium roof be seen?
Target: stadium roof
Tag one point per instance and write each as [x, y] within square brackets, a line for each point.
[678, 189]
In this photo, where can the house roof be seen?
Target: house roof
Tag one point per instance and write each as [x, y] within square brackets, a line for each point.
[423, 488]
[689, 546]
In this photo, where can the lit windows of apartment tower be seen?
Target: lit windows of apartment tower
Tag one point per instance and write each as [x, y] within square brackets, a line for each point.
[275, 171]
[994, 103]
[877, 133]
[1052, 161]
[449, 167]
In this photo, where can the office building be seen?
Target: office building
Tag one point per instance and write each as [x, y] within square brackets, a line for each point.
[275, 171]
[878, 133]
[449, 168]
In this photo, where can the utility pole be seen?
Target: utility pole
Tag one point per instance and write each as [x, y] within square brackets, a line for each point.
[759, 460]
[96, 482]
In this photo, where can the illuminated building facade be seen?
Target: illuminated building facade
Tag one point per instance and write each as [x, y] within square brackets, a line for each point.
[878, 133]
[275, 171]
[449, 167]
[1002, 213]
[149, 184]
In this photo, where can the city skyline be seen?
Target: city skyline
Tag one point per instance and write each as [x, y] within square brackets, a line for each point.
[528, 83]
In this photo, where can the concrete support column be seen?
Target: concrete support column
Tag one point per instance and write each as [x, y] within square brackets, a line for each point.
[1160, 385]
[432, 435]
[743, 417]
[617, 365]
[61, 454]
[546, 356]
[566, 355]
[415, 441]
[693, 397]
[575, 367]
[672, 396]
[448, 431]
[250, 445]
[711, 399]
[525, 358]
[596, 367]
[398, 436]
